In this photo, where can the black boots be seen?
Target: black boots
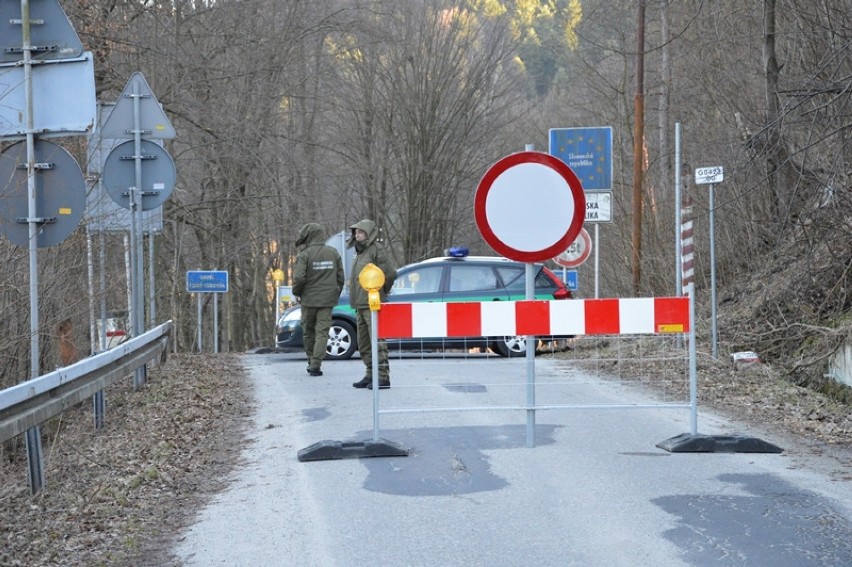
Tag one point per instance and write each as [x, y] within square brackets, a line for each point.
[368, 383]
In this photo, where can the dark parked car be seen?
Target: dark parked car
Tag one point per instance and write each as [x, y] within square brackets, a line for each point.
[447, 278]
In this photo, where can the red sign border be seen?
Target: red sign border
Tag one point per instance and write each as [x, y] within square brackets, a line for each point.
[580, 260]
[486, 183]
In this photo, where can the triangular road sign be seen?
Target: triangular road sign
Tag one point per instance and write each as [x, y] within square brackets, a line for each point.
[51, 34]
[153, 121]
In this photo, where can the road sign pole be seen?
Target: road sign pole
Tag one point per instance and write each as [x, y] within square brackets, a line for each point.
[198, 295]
[32, 209]
[529, 276]
[713, 272]
[33, 436]
[678, 217]
[152, 297]
[216, 323]
[140, 377]
[529, 285]
[597, 262]
[711, 176]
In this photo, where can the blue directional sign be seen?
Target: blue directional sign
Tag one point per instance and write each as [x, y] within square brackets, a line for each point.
[571, 280]
[206, 282]
[588, 152]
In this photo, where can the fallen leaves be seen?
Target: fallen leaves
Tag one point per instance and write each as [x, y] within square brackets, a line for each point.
[117, 496]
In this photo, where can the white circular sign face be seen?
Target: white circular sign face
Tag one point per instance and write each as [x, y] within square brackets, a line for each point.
[529, 206]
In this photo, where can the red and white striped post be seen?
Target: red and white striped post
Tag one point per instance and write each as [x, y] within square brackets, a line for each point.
[687, 246]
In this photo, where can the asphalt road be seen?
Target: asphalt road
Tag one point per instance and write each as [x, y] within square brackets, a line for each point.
[593, 491]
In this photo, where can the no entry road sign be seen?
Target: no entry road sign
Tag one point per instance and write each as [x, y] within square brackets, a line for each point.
[529, 206]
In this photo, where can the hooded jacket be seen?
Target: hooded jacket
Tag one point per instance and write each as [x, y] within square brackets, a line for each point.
[367, 252]
[318, 273]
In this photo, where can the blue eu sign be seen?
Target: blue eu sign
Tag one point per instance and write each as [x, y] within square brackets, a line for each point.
[206, 282]
[588, 152]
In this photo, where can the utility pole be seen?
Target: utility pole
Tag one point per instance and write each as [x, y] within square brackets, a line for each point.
[638, 144]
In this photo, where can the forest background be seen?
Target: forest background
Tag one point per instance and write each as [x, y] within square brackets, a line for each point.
[331, 111]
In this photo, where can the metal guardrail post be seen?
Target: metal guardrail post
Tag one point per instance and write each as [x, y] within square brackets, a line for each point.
[99, 409]
[34, 459]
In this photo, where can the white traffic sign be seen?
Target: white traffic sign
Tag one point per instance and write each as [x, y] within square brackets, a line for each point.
[529, 206]
[577, 253]
[598, 206]
[705, 175]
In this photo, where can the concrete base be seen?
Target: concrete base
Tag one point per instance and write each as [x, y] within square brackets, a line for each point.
[688, 443]
[330, 450]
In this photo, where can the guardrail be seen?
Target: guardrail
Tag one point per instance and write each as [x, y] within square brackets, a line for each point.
[28, 404]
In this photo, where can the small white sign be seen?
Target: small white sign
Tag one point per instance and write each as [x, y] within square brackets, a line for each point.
[705, 175]
[598, 206]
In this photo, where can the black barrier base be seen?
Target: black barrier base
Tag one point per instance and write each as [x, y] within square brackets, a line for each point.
[688, 443]
[329, 450]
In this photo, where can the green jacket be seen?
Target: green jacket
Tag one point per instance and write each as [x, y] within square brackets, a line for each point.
[368, 252]
[318, 274]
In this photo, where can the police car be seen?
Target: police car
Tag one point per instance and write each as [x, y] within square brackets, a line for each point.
[453, 277]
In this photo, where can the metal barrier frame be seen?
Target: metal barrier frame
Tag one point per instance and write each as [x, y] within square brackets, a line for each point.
[531, 407]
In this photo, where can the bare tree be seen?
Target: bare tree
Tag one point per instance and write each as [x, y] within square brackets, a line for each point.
[427, 86]
[334, 110]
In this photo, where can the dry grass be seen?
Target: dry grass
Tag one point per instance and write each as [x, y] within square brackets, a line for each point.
[117, 496]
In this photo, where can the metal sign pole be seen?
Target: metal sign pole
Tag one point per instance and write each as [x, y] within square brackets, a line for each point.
[152, 296]
[374, 345]
[31, 193]
[529, 277]
[529, 294]
[134, 284]
[33, 436]
[711, 176]
[597, 262]
[215, 322]
[198, 295]
[678, 218]
[140, 375]
[713, 272]
[693, 366]
[128, 276]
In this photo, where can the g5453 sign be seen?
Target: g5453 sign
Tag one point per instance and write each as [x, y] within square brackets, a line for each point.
[705, 175]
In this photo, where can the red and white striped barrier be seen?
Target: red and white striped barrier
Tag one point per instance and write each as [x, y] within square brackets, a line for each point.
[544, 318]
